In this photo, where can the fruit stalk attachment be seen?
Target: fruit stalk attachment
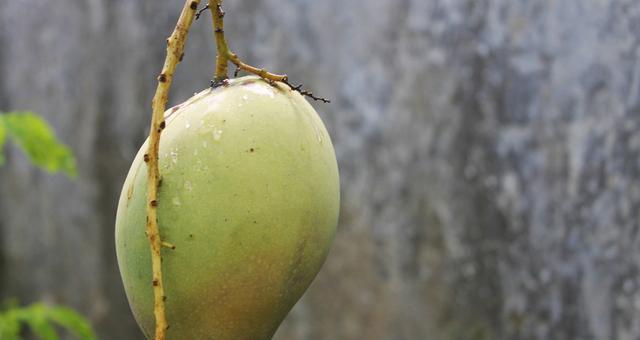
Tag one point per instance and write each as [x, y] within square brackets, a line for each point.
[175, 50]
[226, 55]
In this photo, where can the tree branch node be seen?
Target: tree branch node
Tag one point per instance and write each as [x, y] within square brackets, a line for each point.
[218, 83]
[168, 245]
[206, 7]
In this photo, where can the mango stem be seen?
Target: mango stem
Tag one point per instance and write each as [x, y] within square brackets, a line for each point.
[225, 55]
[175, 50]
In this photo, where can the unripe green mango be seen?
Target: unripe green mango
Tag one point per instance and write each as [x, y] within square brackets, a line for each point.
[249, 197]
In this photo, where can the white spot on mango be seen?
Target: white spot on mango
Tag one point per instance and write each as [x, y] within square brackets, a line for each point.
[260, 89]
[174, 156]
[217, 134]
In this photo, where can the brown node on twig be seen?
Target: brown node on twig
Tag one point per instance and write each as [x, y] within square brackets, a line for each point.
[206, 7]
[218, 83]
[221, 12]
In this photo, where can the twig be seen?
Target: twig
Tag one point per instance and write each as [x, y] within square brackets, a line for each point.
[307, 93]
[206, 7]
[225, 55]
[175, 49]
[262, 73]
[168, 245]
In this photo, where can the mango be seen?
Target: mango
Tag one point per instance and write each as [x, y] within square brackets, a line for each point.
[249, 197]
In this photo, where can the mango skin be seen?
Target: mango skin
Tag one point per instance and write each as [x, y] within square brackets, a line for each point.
[249, 197]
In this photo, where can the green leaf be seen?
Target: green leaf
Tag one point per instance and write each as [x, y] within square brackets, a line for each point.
[72, 322]
[3, 138]
[36, 138]
[9, 326]
[42, 320]
[36, 317]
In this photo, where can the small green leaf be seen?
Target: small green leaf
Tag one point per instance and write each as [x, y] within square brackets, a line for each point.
[72, 322]
[36, 317]
[42, 321]
[9, 326]
[3, 138]
[36, 138]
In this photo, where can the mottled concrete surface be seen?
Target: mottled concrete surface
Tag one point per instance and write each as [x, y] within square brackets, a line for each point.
[489, 153]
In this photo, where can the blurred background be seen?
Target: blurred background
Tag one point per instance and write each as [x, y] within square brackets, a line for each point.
[489, 153]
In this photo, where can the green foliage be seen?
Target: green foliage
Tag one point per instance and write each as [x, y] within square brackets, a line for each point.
[36, 138]
[3, 138]
[42, 320]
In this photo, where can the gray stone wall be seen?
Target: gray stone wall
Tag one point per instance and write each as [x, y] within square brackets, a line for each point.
[489, 154]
